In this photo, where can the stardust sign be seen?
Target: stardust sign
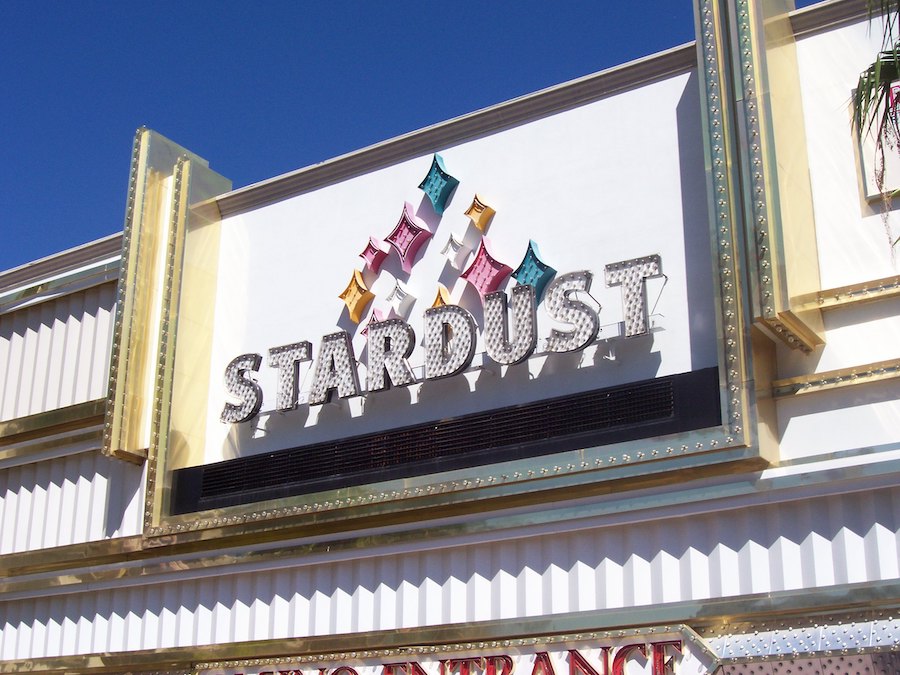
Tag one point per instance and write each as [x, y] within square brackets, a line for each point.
[650, 652]
[450, 337]
[429, 317]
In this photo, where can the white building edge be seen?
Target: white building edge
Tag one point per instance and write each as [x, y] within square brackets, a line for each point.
[779, 557]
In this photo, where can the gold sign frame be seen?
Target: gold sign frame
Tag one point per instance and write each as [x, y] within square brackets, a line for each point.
[184, 277]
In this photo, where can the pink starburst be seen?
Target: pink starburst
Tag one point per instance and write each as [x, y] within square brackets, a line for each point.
[408, 236]
[374, 254]
[486, 273]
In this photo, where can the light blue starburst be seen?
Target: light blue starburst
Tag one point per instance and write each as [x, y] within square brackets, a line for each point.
[534, 271]
[438, 184]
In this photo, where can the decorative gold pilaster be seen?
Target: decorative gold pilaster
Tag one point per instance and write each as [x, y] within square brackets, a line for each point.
[782, 261]
[151, 222]
[190, 272]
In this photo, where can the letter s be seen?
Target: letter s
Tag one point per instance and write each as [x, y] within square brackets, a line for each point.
[565, 309]
[239, 385]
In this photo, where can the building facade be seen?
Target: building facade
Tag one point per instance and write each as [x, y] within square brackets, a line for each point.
[602, 380]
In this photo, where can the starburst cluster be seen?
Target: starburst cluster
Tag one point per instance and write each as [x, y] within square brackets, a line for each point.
[481, 270]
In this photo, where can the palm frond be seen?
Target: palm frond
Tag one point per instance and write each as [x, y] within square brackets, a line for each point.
[890, 10]
[873, 93]
[872, 98]
[873, 105]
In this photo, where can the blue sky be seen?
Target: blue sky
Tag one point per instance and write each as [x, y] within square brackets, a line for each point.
[259, 89]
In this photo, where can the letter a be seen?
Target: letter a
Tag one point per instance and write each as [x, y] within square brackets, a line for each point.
[542, 664]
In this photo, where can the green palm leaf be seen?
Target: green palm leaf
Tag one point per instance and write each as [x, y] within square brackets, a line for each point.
[872, 98]
[874, 107]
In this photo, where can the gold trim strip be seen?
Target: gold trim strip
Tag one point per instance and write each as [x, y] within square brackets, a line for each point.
[835, 379]
[89, 554]
[70, 444]
[55, 421]
[863, 597]
[852, 294]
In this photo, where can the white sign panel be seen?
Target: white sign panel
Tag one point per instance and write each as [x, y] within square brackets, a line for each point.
[600, 210]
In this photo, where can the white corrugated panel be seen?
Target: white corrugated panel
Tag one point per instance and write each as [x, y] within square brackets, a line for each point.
[791, 545]
[56, 353]
[69, 500]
